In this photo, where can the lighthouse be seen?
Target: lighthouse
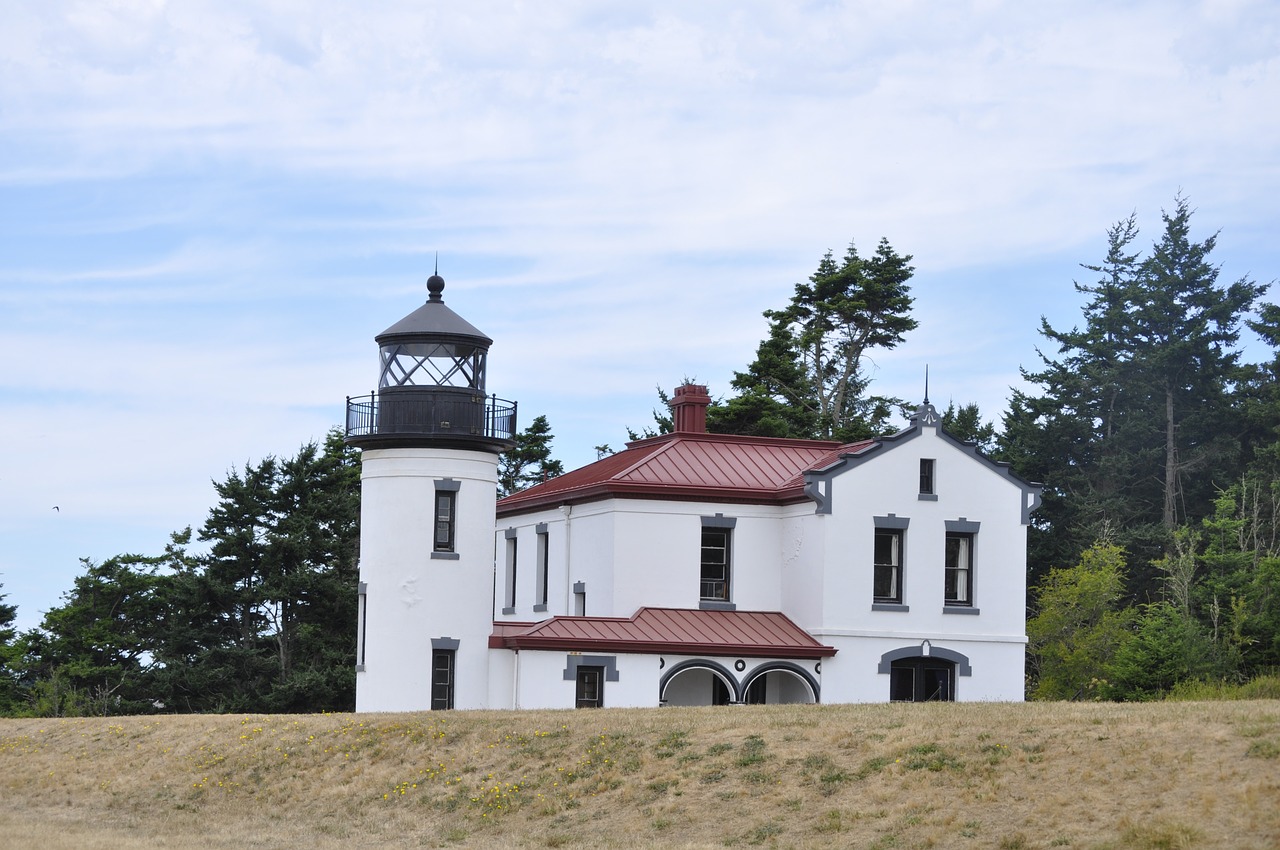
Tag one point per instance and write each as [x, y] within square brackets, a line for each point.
[429, 437]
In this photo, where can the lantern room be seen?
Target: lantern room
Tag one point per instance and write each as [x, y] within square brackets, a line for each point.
[431, 386]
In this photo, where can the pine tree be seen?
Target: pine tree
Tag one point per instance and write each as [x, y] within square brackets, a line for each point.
[810, 376]
[529, 461]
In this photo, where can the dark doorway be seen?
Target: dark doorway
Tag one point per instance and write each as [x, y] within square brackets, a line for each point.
[590, 687]
[922, 680]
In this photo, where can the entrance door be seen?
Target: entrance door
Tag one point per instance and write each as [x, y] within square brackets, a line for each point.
[922, 680]
[590, 687]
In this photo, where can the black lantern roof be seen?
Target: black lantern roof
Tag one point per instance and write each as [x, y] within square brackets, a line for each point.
[434, 320]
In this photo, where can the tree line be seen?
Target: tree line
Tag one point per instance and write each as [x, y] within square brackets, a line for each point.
[1154, 560]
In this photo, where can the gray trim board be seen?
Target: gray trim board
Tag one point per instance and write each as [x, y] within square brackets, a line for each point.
[608, 662]
[961, 661]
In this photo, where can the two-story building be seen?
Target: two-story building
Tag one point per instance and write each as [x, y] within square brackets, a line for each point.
[689, 569]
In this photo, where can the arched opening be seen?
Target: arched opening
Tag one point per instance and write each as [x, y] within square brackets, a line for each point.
[922, 679]
[780, 684]
[697, 683]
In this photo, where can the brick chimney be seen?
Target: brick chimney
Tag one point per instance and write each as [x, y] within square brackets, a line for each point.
[689, 409]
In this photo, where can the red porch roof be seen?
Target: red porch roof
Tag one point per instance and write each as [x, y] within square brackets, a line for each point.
[685, 631]
[689, 465]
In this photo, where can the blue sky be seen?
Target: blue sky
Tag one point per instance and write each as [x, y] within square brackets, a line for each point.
[208, 209]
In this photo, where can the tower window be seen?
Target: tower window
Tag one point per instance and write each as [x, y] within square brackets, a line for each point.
[446, 516]
[445, 519]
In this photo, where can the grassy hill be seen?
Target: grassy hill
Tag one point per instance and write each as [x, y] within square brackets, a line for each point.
[1036, 775]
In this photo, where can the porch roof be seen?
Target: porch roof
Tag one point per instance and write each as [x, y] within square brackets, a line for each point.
[684, 631]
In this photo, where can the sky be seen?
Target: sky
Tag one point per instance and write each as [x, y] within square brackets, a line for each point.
[209, 208]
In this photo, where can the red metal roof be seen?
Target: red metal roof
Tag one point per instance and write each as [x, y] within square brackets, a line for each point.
[716, 467]
[674, 630]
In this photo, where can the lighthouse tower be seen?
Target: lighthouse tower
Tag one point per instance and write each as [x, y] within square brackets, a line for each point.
[429, 440]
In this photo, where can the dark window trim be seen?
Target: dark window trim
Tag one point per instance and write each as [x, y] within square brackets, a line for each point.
[362, 618]
[447, 492]
[442, 693]
[928, 477]
[896, 526]
[543, 566]
[963, 528]
[713, 593]
[511, 558]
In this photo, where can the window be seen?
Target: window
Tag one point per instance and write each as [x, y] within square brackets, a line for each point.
[442, 666]
[715, 563]
[926, 479]
[888, 565]
[443, 542]
[715, 588]
[362, 603]
[921, 680]
[590, 687]
[509, 603]
[579, 599]
[959, 564]
[540, 593]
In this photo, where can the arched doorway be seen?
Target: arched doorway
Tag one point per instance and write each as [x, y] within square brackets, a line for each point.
[923, 673]
[697, 683]
[780, 683]
[922, 680]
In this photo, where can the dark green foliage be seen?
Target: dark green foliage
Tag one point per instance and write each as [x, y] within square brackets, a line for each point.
[94, 653]
[965, 423]
[267, 619]
[809, 378]
[1136, 422]
[1079, 626]
[10, 654]
[1168, 647]
[529, 462]
[264, 622]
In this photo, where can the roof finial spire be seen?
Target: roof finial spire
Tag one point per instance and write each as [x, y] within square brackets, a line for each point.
[926, 383]
[435, 283]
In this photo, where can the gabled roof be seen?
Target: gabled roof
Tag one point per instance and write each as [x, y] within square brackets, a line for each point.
[687, 465]
[755, 634]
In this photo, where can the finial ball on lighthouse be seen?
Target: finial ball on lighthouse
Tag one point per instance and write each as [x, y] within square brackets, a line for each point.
[435, 285]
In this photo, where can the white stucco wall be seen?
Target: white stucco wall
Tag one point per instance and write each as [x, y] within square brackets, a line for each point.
[412, 597]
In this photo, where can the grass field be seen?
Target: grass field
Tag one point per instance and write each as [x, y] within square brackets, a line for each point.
[1035, 775]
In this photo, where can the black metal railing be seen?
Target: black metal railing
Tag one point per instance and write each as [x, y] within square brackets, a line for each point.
[430, 412]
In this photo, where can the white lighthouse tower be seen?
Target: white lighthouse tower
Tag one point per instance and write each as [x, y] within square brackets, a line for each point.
[430, 440]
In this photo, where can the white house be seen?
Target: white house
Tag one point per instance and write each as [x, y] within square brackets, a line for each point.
[689, 569]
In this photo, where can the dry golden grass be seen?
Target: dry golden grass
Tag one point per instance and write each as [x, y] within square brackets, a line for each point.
[1037, 775]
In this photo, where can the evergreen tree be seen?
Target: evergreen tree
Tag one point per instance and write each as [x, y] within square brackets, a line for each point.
[810, 375]
[529, 462]
[95, 652]
[965, 423]
[1136, 417]
[266, 621]
[10, 694]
